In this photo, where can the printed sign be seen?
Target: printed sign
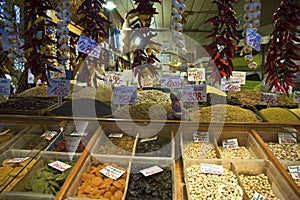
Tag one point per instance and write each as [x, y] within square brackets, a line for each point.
[241, 75]
[49, 135]
[194, 93]
[59, 87]
[287, 138]
[149, 139]
[112, 172]
[151, 171]
[113, 78]
[61, 166]
[17, 160]
[57, 75]
[295, 172]
[269, 99]
[230, 143]
[212, 169]
[88, 46]
[170, 80]
[199, 136]
[4, 86]
[258, 196]
[125, 95]
[296, 96]
[253, 39]
[165, 58]
[196, 74]
[232, 84]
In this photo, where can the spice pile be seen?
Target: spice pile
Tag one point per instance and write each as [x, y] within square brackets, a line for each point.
[279, 115]
[26, 104]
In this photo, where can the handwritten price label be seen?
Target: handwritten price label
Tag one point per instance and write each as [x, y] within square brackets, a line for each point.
[196, 74]
[201, 137]
[147, 82]
[88, 46]
[258, 196]
[170, 81]
[296, 96]
[125, 95]
[112, 172]
[287, 138]
[212, 169]
[151, 171]
[253, 39]
[230, 143]
[17, 160]
[113, 78]
[59, 87]
[61, 166]
[116, 135]
[4, 86]
[268, 99]
[232, 84]
[194, 93]
[240, 75]
[295, 172]
[57, 75]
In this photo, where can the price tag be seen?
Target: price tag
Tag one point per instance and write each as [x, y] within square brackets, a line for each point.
[4, 86]
[79, 134]
[196, 74]
[17, 160]
[170, 80]
[147, 82]
[287, 138]
[268, 99]
[127, 75]
[295, 172]
[194, 93]
[149, 139]
[88, 46]
[49, 135]
[212, 169]
[4, 132]
[61, 166]
[232, 84]
[59, 87]
[112, 172]
[230, 143]
[116, 135]
[296, 96]
[151, 171]
[113, 78]
[240, 75]
[253, 39]
[58, 75]
[258, 196]
[125, 95]
[201, 137]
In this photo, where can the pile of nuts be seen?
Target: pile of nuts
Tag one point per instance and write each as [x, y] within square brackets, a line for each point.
[212, 186]
[153, 97]
[200, 150]
[240, 153]
[285, 151]
[257, 183]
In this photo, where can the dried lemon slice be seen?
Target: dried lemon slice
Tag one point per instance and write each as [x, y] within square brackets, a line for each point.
[15, 171]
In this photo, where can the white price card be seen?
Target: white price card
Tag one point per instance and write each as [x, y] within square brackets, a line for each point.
[113, 78]
[170, 80]
[212, 169]
[196, 74]
[59, 87]
[149, 139]
[49, 135]
[151, 170]
[258, 196]
[61, 166]
[127, 75]
[17, 160]
[88, 46]
[115, 135]
[230, 143]
[240, 75]
[4, 86]
[112, 172]
[296, 96]
[194, 93]
[124, 95]
[147, 82]
[232, 84]
[269, 99]
[56, 74]
[295, 172]
[253, 39]
[199, 136]
[287, 138]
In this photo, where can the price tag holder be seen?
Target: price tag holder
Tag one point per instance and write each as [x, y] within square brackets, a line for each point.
[17, 160]
[170, 80]
[61, 166]
[58, 75]
[296, 96]
[232, 84]
[240, 75]
[269, 99]
[112, 172]
[4, 86]
[116, 135]
[151, 170]
[124, 95]
[202, 137]
[59, 87]
[253, 39]
[287, 138]
[4, 132]
[149, 139]
[113, 78]
[196, 74]
[230, 143]
[295, 172]
[88, 46]
[258, 196]
[212, 169]
[194, 93]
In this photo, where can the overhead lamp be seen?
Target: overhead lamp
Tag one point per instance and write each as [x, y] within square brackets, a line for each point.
[109, 5]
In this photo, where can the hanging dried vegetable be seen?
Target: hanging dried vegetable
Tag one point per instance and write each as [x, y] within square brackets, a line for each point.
[280, 66]
[225, 33]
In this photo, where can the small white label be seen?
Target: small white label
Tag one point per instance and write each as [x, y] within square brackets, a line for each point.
[201, 137]
[59, 87]
[240, 75]
[79, 134]
[151, 170]
[61, 166]
[253, 39]
[212, 169]
[230, 143]
[196, 74]
[194, 93]
[4, 86]
[112, 172]
[287, 138]
[258, 196]
[296, 96]
[232, 84]
[269, 99]
[149, 139]
[49, 135]
[113, 78]
[125, 95]
[127, 75]
[17, 160]
[116, 135]
[295, 172]
[4, 132]
[170, 80]
[88, 46]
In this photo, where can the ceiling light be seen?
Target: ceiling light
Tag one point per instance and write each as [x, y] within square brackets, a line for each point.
[109, 5]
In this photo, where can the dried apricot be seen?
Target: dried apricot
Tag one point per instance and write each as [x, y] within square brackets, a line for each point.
[117, 184]
[118, 195]
[96, 181]
[108, 194]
